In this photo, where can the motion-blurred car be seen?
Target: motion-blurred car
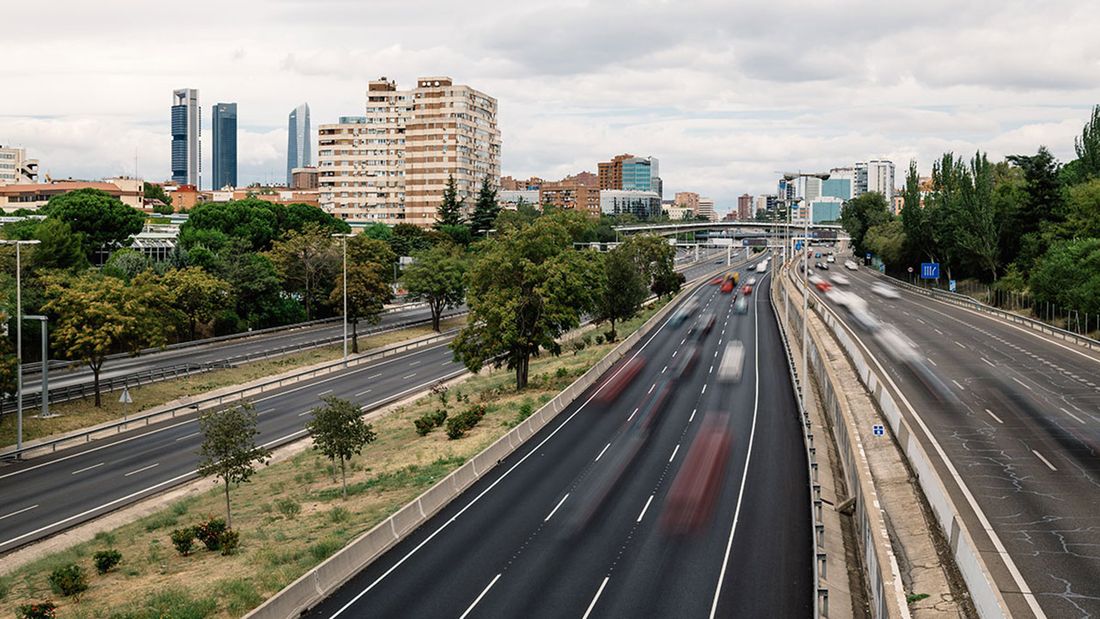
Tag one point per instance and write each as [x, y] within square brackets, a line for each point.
[707, 321]
[717, 281]
[696, 488]
[885, 291]
[751, 281]
[840, 280]
[851, 266]
[741, 306]
[733, 362]
[830, 258]
[746, 289]
[820, 283]
[727, 286]
[685, 312]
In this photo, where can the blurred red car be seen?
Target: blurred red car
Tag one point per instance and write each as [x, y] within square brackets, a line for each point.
[727, 286]
[746, 289]
[716, 281]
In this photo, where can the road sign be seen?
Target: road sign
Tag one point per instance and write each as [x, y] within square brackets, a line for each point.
[797, 245]
[878, 430]
[125, 397]
[910, 269]
[868, 255]
[951, 285]
[929, 270]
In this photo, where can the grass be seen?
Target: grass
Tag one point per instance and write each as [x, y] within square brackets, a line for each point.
[276, 547]
[78, 414]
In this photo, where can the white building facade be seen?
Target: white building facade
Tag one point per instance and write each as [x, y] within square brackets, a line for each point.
[16, 168]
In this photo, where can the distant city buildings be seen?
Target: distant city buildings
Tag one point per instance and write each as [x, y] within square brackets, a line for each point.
[33, 196]
[224, 125]
[880, 178]
[298, 141]
[186, 130]
[304, 178]
[641, 204]
[15, 167]
[706, 209]
[688, 200]
[744, 207]
[630, 173]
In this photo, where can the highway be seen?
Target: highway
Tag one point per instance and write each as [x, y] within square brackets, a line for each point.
[579, 522]
[1017, 416]
[45, 495]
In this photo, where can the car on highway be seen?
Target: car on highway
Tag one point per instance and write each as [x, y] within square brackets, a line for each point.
[727, 286]
[733, 362]
[685, 312]
[851, 266]
[746, 289]
[840, 279]
[762, 267]
[741, 306]
[885, 291]
[707, 321]
[821, 265]
[717, 281]
[831, 258]
[820, 283]
[751, 281]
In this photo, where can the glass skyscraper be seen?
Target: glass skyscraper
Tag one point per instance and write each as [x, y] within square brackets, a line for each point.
[297, 149]
[225, 145]
[186, 120]
[642, 174]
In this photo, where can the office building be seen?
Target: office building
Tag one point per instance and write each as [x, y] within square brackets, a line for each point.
[837, 187]
[15, 168]
[880, 178]
[304, 178]
[744, 207]
[392, 165]
[688, 200]
[224, 125]
[641, 204]
[298, 141]
[706, 209]
[808, 187]
[826, 210]
[186, 135]
[610, 173]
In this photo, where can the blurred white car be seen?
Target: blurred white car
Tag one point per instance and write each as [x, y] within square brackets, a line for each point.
[899, 347]
[839, 279]
[733, 362]
[851, 266]
[884, 291]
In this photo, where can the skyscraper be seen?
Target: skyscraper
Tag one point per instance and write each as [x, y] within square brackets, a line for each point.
[224, 124]
[297, 148]
[186, 126]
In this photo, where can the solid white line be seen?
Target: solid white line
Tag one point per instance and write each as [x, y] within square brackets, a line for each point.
[958, 385]
[993, 416]
[144, 468]
[1045, 461]
[491, 583]
[595, 599]
[325, 392]
[988, 362]
[601, 452]
[409, 376]
[692, 414]
[1079, 420]
[88, 468]
[365, 392]
[646, 507]
[632, 414]
[25, 509]
[677, 448]
[553, 511]
[186, 437]
[1022, 383]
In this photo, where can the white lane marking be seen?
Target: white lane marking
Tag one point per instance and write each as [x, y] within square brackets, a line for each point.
[553, 511]
[716, 353]
[15, 513]
[1022, 383]
[1045, 461]
[187, 436]
[959, 345]
[958, 385]
[704, 389]
[490, 586]
[711, 369]
[632, 414]
[663, 371]
[677, 448]
[88, 468]
[993, 416]
[682, 341]
[305, 412]
[445, 363]
[409, 376]
[364, 392]
[374, 376]
[596, 599]
[937, 331]
[265, 411]
[921, 321]
[601, 452]
[644, 508]
[674, 353]
[930, 360]
[651, 388]
[324, 393]
[988, 362]
[1079, 420]
[692, 414]
[144, 468]
[414, 363]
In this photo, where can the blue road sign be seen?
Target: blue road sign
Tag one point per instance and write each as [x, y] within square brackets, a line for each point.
[868, 255]
[878, 430]
[929, 270]
[797, 245]
[951, 285]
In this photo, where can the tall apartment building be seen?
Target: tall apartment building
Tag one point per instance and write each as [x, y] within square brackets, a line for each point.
[224, 125]
[610, 173]
[186, 134]
[706, 209]
[744, 207]
[880, 178]
[298, 137]
[688, 199]
[15, 168]
[392, 165]
[571, 195]
[859, 179]
[808, 187]
[631, 173]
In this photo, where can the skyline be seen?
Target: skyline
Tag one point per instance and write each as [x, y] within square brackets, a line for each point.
[703, 87]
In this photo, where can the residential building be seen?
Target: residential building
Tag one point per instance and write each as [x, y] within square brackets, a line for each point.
[610, 173]
[744, 207]
[392, 165]
[837, 187]
[689, 200]
[507, 183]
[185, 197]
[224, 125]
[677, 212]
[859, 179]
[584, 178]
[304, 178]
[897, 204]
[34, 196]
[759, 205]
[571, 195]
[826, 209]
[15, 168]
[298, 141]
[706, 209]
[808, 187]
[641, 204]
[186, 135]
[880, 178]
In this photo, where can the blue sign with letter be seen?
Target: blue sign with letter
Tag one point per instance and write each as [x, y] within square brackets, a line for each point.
[929, 270]
[878, 430]
[868, 255]
[951, 285]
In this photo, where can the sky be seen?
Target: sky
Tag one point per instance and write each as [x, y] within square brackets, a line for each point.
[725, 94]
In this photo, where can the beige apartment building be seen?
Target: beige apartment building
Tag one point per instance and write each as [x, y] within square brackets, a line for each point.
[391, 165]
[15, 168]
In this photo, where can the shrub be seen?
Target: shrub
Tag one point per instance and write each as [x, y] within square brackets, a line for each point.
[599, 339]
[106, 560]
[325, 549]
[38, 610]
[424, 424]
[229, 540]
[162, 520]
[578, 345]
[210, 533]
[458, 425]
[562, 372]
[70, 580]
[183, 539]
[288, 507]
[339, 515]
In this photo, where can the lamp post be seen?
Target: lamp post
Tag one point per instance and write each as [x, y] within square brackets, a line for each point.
[19, 340]
[45, 385]
[344, 236]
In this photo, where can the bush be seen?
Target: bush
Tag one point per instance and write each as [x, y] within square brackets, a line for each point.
[69, 580]
[461, 423]
[339, 515]
[210, 533]
[38, 610]
[423, 425]
[599, 340]
[106, 560]
[229, 540]
[562, 372]
[288, 507]
[578, 345]
[183, 539]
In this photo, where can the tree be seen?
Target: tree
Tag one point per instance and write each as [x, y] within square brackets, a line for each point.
[450, 209]
[95, 315]
[104, 221]
[1068, 275]
[437, 276]
[1043, 205]
[651, 256]
[486, 209]
[977, 232]
[368, 292]
[915, 221]
[1088, 147]
[526, 288]
[887, 241]
[126, 263]
[9, 365]
[524, 214]
[408, 238]
[59, 247]
[196, 294]
[862, 212]
[622, 289]
[229, 451]
[213, 224]
[258, 292]
[339, 432]
[157, 192]
[306, 261]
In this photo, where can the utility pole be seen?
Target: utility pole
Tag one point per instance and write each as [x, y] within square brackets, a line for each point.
[19, 339]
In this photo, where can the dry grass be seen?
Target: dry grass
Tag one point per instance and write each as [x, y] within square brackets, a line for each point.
[78, 414]
[275, 549]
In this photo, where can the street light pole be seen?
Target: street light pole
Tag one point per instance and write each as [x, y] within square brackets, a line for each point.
[806, 298]
[45, 384]
[344, 237]
[19, 339]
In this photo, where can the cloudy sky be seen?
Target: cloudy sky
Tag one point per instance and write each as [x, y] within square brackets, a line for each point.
[723, 93]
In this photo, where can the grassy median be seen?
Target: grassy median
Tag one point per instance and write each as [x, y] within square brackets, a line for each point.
[291, 516]
[78, 414]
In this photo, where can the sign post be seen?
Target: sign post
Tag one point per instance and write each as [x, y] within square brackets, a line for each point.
[951, 285]
[929, 270]
[910, 275]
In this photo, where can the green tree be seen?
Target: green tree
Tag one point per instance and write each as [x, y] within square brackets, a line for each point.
[196, 294]
[103, 221]
[887, 241]
[622, 289]
[157, 192]
[437, 276]
[977, 232]
[408, 238]
[526, 288]
[1088, 147]
[9, 365]
[258, 293]
[126, 264]
[916, 225]
[1068, 275]
[59, 247]
[486, 209]
[307, 261]
[368, 292]
[450, 209]
[93, 316]
[1042, 206]
[229, 451]
[381, 232]
[213, 224]
[339, 432]
[861, 213]
[1083, 210]
[651, 255]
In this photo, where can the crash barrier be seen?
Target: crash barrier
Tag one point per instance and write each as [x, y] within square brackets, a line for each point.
[984, 592]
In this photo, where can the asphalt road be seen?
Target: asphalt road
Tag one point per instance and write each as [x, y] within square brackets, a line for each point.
[1017, 415]
[531, 538]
